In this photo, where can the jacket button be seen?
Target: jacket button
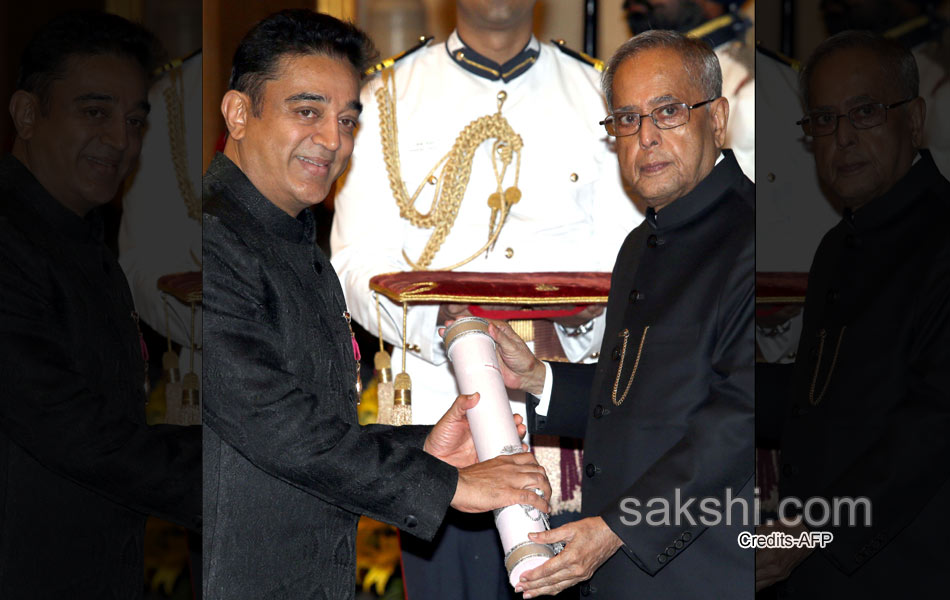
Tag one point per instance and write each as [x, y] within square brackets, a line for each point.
[585, 589]
[661, 558]
[789, 470]
[852, 240]
[651, 241]
[598, 411]
[591, 470]
[678, 544]
[687, 536]
[670, 551]
[833, 296]
[410, 521]
[635, 295]
[615, 353]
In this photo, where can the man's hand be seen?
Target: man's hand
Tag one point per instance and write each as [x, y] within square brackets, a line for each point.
[451, 439]
[588, 544]
[776, 564]
[520, 369]
[591, 312]
[450, 312]
[502, 481]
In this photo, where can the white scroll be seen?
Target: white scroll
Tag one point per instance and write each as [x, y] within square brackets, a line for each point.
[472, 352]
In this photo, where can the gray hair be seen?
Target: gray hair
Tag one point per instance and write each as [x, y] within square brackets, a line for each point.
[895, 60]
[699, 60]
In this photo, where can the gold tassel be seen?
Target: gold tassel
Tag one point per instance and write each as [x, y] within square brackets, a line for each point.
[172, 375]
[402, 401]
[191, 396]
[384, 388]
[402, 387]
[383, 363]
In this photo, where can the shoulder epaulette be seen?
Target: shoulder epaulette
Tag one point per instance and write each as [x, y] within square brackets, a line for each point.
[594, 62]
[175, 63]
[916, 31]
[779, 57]
[423, 40]
[722, 29]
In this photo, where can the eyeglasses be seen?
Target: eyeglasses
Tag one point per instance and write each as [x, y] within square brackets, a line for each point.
[865, 116]
[668, 116]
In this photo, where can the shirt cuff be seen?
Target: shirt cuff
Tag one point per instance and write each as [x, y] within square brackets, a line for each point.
[545, 396]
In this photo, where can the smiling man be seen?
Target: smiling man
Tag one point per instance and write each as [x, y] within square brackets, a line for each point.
[80, 467]
[670, 411]
[288, 467]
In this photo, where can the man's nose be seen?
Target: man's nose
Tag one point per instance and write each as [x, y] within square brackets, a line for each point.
[327, 135]
[115, 133]
[649, 133]
[845, 134]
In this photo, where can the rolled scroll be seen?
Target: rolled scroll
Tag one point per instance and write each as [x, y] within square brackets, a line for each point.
[472, 352]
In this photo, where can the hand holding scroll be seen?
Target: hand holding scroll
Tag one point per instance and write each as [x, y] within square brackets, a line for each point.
[451, 438]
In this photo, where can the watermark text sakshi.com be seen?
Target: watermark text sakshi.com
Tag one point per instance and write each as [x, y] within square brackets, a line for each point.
[711, 511]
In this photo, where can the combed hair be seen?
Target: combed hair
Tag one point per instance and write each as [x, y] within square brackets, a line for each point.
[699, 60]
[83, 33]
[897, 61]
[296, 32]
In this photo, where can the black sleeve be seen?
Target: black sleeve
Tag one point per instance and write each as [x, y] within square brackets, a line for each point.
[256, 404]
[48, 407]
[567, 411]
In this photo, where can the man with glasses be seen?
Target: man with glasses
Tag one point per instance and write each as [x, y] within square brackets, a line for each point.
[670, 411]
[864, 409]
[572, 215]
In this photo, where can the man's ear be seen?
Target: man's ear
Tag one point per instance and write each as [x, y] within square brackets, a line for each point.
[236, 108]
[719, 113]
[916, 115]
[25, 109]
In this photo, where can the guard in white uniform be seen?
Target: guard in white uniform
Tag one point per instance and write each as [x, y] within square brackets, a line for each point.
[160, 231]
[792, 214]
[572, 215]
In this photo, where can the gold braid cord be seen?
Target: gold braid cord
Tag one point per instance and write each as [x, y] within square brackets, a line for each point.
[174, 102]
[454, 176]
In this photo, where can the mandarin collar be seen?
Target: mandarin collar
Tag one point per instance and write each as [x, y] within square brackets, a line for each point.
[37, 200]
[473, 62]
[682, 210]
[226, 174]
[922, 175]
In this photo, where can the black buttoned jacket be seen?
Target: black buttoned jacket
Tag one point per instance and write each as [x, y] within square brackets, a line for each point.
[79, 466]
[683, 286]
[288, 468]
[866, 406]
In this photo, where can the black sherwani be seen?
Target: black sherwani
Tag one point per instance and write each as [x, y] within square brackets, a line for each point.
[288, 469]
[869, 409]
[79, 467]
[687, 421]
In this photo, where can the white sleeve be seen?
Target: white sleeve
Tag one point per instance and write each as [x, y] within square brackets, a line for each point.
[545, 395]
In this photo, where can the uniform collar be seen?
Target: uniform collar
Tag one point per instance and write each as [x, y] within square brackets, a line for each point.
[475, 63]
[721, 30]
[916, 31]
[682, 210]
[300, 230]
[37, 200]
[922, 176]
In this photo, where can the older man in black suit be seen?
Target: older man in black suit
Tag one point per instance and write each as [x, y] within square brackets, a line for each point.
[670, 411]
[864, 412]
[288, 469]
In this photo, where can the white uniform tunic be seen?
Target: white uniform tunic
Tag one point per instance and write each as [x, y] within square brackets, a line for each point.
[572, 216]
